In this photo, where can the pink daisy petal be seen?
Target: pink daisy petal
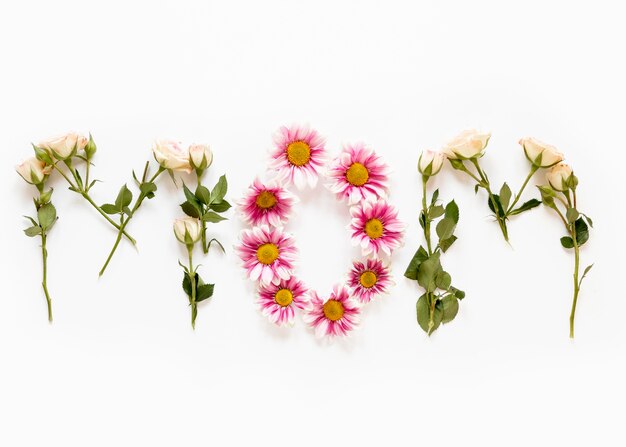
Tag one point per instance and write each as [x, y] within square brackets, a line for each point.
[369, 279]
[358, 174]
[376, 228]
[298, 156]
[334, 316]
[267, 255]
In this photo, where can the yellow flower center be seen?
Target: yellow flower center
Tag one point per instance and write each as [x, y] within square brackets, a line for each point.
[374, 228]
[267, 253]
[298, 153]
[283, 297]
[266, 200]
[333, 310]
[368, 279]
[357, 174]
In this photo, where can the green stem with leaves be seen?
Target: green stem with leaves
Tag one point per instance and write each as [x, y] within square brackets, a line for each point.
[124, 222]
[533, 169]
[192, 279]
[425, 214]
[44, 282]
[485, 184]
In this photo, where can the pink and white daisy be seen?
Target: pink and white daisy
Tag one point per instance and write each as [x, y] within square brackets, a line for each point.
[299, 155]
[266, 204]
[267, 255]
[369, 279]
[375, 227]
[279, 301]
[336, 315]
[358, 174]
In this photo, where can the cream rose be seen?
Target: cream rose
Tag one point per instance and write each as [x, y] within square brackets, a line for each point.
[533, 148]
[187, 227]
[65, 146]
[558, 176]
[200, 156]
[430, 162]
[170, 155]
[468, 144]
[33, 170]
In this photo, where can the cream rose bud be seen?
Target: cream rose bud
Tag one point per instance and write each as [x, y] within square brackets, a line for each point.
[32, 170]
[200, 156]
[468, 144]
[558, 176]
[187, 229]
[533, 148]
[430, 162]
[170, 155]
[65, 146]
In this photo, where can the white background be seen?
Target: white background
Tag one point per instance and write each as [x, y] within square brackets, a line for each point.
[121, 366]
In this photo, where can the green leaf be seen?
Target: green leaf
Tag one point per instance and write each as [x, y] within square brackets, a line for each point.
[109, 209]
[443, 280]
[147, 188]
[219, 191]
[571, 215]
[457, 293]
[428, 271]
[567, 242]
[496, 198]
[190, 210]
[445, 228]
[204, 291]
[452, 212]
[437, 317]
[423, 312]
[187, 283]
[422, 219]
[191, 198]
[124, 197]
[45, 196]
[434, 198]
[33, 231]
[203, 194]
[419, 257]
[582, 231]
[220, 207]
[435, 212]
[47, 215]
[589, 221]
[212, 217]
[584, 274]
[505, 196]
[449, 307]
[446, 243]
[532, 203]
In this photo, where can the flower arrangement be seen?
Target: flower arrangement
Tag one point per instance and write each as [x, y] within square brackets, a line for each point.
[440, 301]
[466, 150]
[560, 196]
[201, 207]
[268, 253]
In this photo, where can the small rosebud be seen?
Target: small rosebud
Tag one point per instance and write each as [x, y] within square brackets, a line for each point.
[200, 156]
[540, 154]
[33, 170]
[187, 230]
[90, 148]
[467, 145]
[560, 177]
[430, 163]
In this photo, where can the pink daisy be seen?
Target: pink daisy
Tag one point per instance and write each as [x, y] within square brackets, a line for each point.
[358, 174]
[369, 279]
[336, 315]
[278, 301]
[299, 155]
[375, 227]
[267, 255]
[266, 205]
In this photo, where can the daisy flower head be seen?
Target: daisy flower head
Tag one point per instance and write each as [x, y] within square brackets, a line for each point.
[299, 155]
[369, 279]
[358, 174]
[279, 301]
[336, 315]
[266, 204]
[375, 227]
[268, 255]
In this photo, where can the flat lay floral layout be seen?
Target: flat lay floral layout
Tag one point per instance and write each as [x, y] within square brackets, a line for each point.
[356, 176]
